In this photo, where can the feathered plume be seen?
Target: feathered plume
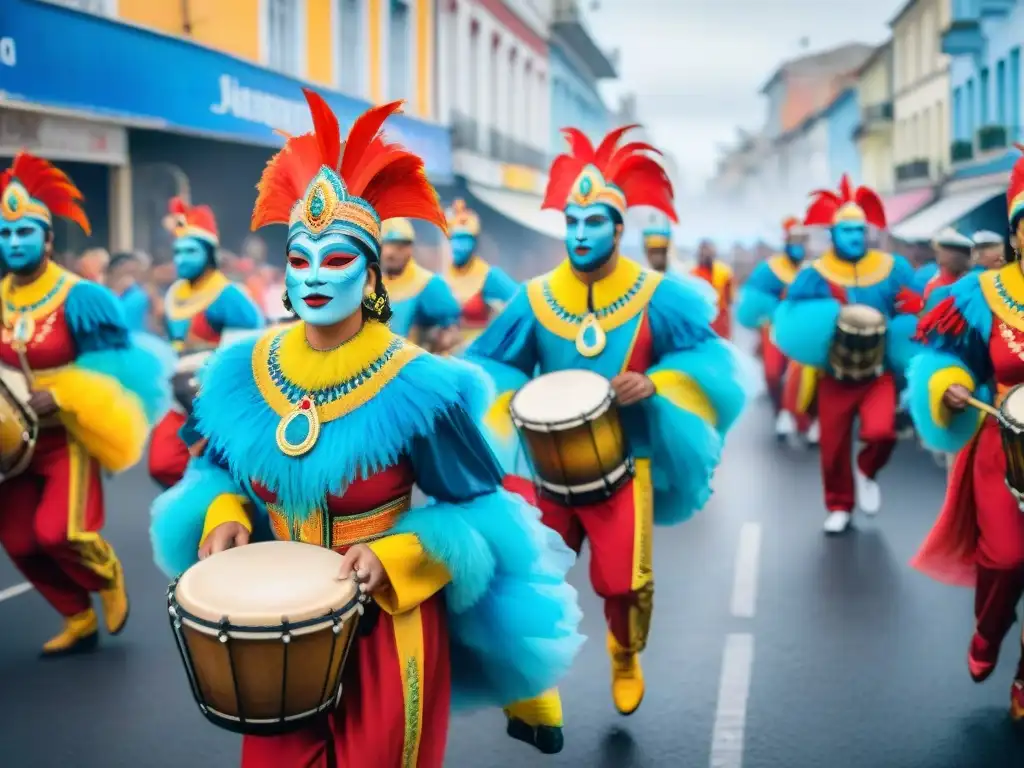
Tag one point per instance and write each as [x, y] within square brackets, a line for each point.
[1015, 191]
[630, 167]
[384, 174]
[825, 204]
[49, 185]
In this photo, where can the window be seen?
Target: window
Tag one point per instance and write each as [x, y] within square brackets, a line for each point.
[351, 51]
[969, 110]
[983, 113]
[1001, 92]
[285, 44]
[474, 67]
[958, 118]
[1015, 118]
[398, 50]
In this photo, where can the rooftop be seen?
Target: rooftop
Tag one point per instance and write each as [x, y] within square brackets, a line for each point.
[846, 58]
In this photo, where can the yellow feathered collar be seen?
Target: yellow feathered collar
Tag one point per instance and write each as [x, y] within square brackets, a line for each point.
[870, 269]
[40, 297]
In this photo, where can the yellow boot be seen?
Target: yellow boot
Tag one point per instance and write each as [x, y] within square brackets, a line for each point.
[627, 678]
[80, 633]
[115, 601]
[538, 722]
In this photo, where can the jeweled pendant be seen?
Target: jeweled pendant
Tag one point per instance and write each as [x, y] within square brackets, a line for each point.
[590, 339]
[23, 328]
[298, 430]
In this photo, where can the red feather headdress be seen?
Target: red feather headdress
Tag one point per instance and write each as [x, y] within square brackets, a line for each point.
[318, 179]
[192, 221]
[1015, 192]
[37, 188]
[620, 177]
[860, 204]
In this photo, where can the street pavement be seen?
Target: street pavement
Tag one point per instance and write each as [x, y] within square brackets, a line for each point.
[771, 647]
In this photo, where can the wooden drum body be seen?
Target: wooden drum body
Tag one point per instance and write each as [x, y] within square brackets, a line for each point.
[264, 631]
[19, 425]
[858, 346]
[1011, 429]
[570, 426]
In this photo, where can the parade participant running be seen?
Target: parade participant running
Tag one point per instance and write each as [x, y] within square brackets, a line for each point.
[976, 338]
[953, 255]
[95, 392]
[758, 300]
[480, 289]
[719, 276]
[422, 304]
[200, 306]
[806, 325]
[989, 251]
[322, 430]
[676, 383]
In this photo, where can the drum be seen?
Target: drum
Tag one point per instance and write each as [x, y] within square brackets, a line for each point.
[1011, 428]
[264, 631]
[184, 382]
[569, 425]
[858, 346]
[19, 425]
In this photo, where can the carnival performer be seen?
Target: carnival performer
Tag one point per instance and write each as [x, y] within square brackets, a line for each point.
[675, 380]
[482, 290]
[989, 251]
[953, 256]
[758, 299]
[719, 276]
[200, 306]
[657, 237]
[975, 340]
[329, 424]
[95, 391]
[123, 278]
[805, 326]
[422, 305]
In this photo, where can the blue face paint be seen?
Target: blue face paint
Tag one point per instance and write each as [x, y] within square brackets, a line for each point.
[463, 248]
[190, 257]
[589, 236]
[22, 245]
[850, 240]
[325, 278]
[795, 251]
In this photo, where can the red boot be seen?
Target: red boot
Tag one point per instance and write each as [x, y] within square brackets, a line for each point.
[995, 602]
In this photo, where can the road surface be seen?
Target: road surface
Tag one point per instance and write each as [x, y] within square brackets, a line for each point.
[772, 647]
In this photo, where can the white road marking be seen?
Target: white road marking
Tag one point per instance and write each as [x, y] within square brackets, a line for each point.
[746, 574]
[17, 589]
[733, 691]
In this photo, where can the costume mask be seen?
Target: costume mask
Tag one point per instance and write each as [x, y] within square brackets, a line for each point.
[590, 234]
[850, 240]
[22, 245]
[325, 277]
[191, 257]
[463, 248]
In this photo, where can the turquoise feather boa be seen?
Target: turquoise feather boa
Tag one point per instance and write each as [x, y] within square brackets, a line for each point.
[962, 426]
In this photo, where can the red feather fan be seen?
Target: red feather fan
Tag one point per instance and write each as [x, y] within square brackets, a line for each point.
[384, 174]
[640, 177]
[825, 204]
[49, 185]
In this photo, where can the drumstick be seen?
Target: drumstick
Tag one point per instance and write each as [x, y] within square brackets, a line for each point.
[984, 408]
[26, 369]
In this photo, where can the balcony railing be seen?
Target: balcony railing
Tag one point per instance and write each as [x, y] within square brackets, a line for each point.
[963, 37]
[914, 170]
[495, 145]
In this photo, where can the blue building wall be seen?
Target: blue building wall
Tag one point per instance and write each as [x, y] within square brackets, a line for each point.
[988, 89]
[842, 118]
[574, 102]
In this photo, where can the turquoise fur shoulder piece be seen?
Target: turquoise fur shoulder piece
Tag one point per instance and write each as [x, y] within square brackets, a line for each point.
[436, 305]
[804, 324]
[95, 317]
[241, 427]
[971, 303]
[233, 308]
[498, 286]
[755, 307]
[962, 426]
[143, 368]
[681, 311]
[900, 348]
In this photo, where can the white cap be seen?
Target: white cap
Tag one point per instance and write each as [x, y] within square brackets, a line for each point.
[950, 238]
[986, 237]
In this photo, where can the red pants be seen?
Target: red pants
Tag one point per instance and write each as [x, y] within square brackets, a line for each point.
[49, 522]
[394, 706]
[774, 367]
[168, 454]
[620, 532]
[839, 404]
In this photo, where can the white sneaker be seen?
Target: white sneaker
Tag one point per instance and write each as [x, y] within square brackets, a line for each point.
[869, 495]
[837, 522]
[814, 433]
[785, 424]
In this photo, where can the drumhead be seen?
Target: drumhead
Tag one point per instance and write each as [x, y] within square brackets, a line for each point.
[861, 316]
[258, 585]
[15, 382]
[1013, 406]
[561, 397]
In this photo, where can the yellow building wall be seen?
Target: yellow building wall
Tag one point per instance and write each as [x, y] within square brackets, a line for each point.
[231, 26]
[423, 34]
[320, 36]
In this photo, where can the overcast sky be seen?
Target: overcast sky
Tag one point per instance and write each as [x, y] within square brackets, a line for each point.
[697, 65]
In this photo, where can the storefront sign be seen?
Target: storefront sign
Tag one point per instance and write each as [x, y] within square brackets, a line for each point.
[87, 63]
[58, 138]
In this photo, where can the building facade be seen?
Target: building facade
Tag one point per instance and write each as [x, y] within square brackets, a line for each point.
[921, 93]
[841, 118]
[874, 132]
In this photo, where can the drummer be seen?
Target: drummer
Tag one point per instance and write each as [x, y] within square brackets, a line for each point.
[422, 302]
[805, 325]
[329, 423]
[481, 289]
[200, 306]
[95, 391]
[974, 340]
[676, 381]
